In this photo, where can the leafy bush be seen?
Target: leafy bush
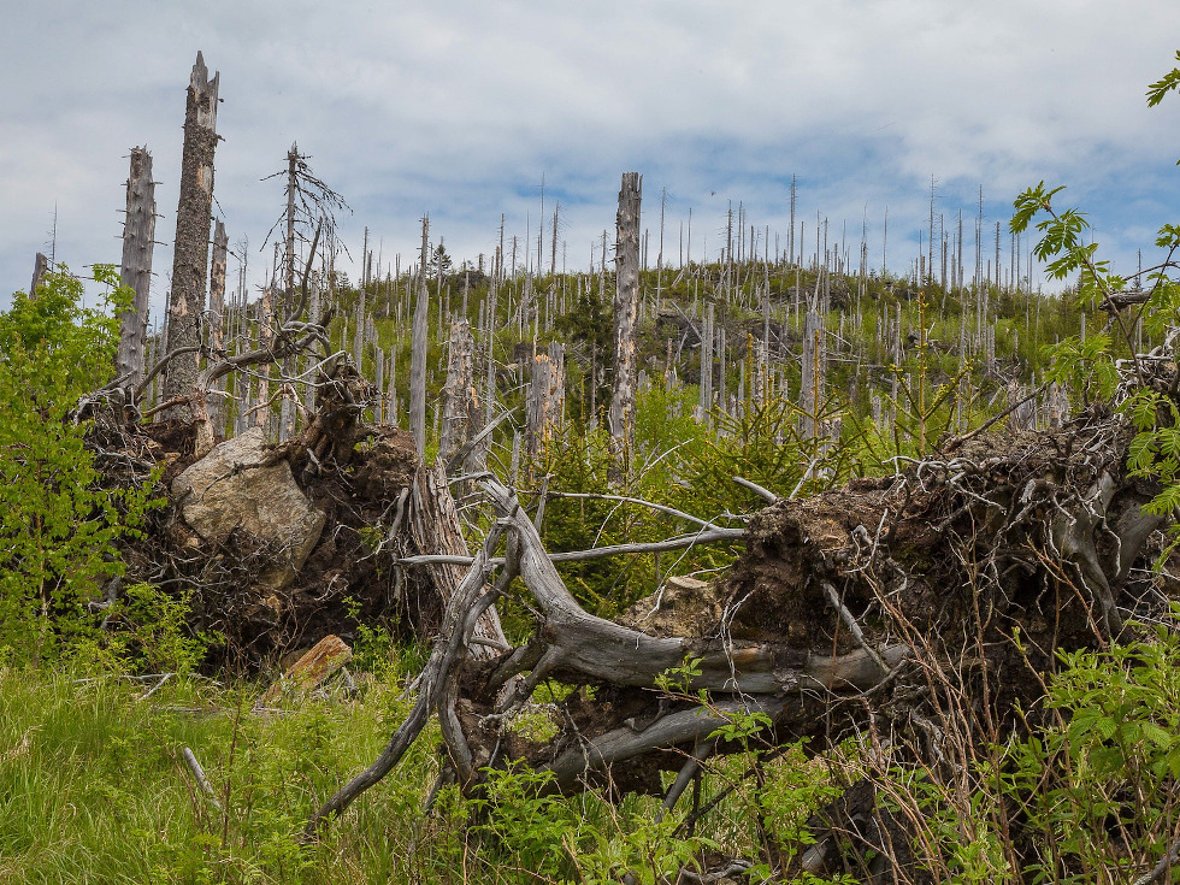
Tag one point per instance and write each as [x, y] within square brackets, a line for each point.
[58, 524]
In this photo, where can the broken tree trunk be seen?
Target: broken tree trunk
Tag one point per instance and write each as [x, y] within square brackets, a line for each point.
[194, 214]
[811, 390]
[435, 528]
[40, 268]
[546, 399]
[622, 404]
[139, 231]
[460, 405]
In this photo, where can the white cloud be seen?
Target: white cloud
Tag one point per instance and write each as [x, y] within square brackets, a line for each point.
[459, 109]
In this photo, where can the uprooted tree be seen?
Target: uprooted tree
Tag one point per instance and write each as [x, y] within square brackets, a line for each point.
[921, 606]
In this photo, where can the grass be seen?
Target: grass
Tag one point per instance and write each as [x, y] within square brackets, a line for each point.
[93, 786]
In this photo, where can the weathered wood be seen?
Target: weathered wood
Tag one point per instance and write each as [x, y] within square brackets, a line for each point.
[460, 404]
[40, 268]
[434, 526]
[313, 667]
[418, 344]
[261, 403]
[293, 159]
[139, 230]
[217, 320]
[621, 417]
[811, 391]
[546, 399]
[194, 214]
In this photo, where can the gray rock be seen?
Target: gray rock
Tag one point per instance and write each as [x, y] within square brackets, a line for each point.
[229, 489]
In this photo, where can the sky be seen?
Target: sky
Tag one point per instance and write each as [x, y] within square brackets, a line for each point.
[461, 110]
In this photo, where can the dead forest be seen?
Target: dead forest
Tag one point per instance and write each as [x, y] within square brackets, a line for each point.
[700, 516]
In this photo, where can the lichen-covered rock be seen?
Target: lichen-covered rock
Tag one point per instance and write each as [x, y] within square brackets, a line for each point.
[234, 487]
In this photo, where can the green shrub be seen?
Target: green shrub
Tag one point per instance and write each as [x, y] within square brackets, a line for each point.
[58, 524]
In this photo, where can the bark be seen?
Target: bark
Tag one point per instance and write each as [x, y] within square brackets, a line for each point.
[460, 404]
[40, 268]
[217, 321]
[622, 407]
[435, 527]
[546, 399]
[418, 344]
[139, 230]
[190, 263]
[311, 669]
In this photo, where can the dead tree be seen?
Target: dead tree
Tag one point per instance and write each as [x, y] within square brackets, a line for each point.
[546, 399]
[139, 230]
[811, 394]
[40, 268]
[435, 527]
[418, 343]
[460, 404]
[622, 406]
[194, 213]
[217, 319]
[310, 204]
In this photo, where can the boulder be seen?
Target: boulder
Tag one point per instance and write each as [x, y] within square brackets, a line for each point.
[234, 487]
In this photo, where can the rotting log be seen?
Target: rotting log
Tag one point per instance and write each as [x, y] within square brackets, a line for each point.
[311, 669]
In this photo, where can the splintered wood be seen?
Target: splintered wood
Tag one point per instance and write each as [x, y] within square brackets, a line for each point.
[316, 664]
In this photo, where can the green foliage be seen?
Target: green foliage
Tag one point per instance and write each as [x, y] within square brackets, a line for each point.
[1098, 782]
[1157, 90]
[1084, 367]
[58, 524]
[149, 632]
[765, 444]
[1089, 366]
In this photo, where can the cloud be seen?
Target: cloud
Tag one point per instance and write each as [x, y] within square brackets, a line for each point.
[459, 109]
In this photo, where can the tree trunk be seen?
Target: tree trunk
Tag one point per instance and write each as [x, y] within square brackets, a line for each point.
[40, 268]
[811, 391]
[139, 230]
[622, 405]
[460, 406]
[190, 263]
[435, 528]
[418, 343]
[546, 399]
[217, 321]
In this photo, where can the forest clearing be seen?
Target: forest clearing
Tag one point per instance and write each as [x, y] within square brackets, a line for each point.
[770, 565]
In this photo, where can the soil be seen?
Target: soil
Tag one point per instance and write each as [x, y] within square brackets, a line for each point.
[350, 577]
